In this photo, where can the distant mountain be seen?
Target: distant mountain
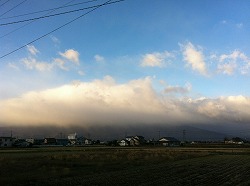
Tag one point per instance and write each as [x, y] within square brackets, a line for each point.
[188, 133]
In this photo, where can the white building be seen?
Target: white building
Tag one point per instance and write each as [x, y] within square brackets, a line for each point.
[30, 140]
[124, 143]
[72, 136]
[169, 141]
[88, 142]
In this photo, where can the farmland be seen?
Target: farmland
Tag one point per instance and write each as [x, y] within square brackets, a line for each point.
[125, 166]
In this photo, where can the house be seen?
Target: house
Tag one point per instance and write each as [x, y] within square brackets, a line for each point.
[72, 138]
[6, 141]
[50, 141]
[88, 142]
[169, 141]
[22, 143]
[128, 138]
[140, 138]
[124, 143]
[235, 140]
[30, 140]
[135, 141]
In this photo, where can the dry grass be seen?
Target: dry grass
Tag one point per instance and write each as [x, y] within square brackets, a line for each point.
[123, 166]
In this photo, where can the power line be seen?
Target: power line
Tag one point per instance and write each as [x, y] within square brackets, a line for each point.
[12, 8]
[104, 4]
[42, 17]
[31, 22]
[4, 3]
[51, 9]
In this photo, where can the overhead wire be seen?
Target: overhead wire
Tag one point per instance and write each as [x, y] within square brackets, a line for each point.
[57, 8]
[13, 8]
[53, 15]
[32, 21]
[4, 3]
[69, 22]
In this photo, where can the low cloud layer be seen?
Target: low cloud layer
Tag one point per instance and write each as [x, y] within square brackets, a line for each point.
[105, 102]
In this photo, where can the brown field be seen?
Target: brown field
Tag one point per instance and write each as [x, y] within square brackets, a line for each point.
[125, 166]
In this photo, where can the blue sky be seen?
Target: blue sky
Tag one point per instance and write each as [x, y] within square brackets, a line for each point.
[152, 61]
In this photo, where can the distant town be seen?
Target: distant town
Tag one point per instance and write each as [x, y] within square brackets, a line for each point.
[133, 141]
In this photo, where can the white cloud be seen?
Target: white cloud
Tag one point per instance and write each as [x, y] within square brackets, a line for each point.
[32, 50]
[194, 58]
[213, 57]
[60, 63]
[232, 24]
[99, 58]
[156, 59]
[229, 63]
[239, 25]
[227, 68]
[11, 65]
[55, 39]
[71, 55]
[236, 54]
[81, 73]
[32, 63]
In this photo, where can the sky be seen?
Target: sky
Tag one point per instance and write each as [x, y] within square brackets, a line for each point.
[134, 62]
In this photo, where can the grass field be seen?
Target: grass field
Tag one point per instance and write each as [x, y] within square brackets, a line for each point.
[125, 166]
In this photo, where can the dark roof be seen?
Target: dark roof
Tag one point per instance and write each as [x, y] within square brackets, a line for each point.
[237, 139]
[50, 140]
[139, 137]
[129, 136]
